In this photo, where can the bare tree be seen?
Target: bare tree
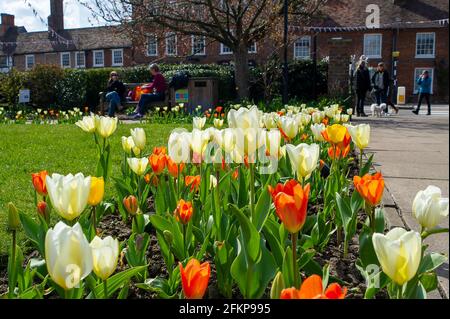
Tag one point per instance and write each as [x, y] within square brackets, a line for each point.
[236, 24]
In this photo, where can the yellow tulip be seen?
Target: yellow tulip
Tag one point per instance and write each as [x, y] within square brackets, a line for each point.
[335, 133]
[138, 165]
[399, 253]
[105, 255]
[360, 135]
[67, 255]
[97, 191]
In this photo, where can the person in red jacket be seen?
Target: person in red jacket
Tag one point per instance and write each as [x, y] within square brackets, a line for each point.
[158, 88]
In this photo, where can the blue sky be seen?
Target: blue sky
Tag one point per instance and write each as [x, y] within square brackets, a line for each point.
[75, 15]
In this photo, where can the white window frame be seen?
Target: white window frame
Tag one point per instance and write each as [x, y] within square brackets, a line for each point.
[95, 65]
[416, 77]
[8, 64]
[303, 57]
[372, 56]
[223, 52]
[168, 36]
[204, 45]
[80, 66]
[156, 45]
[112, 57]
[61, 60]
[250, 51]
[26, 61]
[434, 45]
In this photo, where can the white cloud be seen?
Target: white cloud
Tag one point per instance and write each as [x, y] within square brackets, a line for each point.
[75, 15]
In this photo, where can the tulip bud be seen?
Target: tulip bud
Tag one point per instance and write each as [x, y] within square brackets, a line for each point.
[13, 217]
[131, 205]
[277, 286]
[42, 209]
[168, 236]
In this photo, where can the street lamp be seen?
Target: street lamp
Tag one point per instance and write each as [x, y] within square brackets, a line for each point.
[285, 55]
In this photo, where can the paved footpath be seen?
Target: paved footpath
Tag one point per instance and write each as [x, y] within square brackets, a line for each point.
[412, 152]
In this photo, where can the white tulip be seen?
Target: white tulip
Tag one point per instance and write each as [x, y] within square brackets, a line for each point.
[105, 255]
[429, 208]
[212, 181]
[360, 135]
[179, 146]
[199, 122]
[106, 126]
[67, 255]
[244, 118]
[317, 117]
[270, 120]
[129, 146]
[138, 165]
[69, 194]
[399, 253]
[139, 138]
[87, 124]
[218, 123]
[350, 111]
[304, 158]
[289, 126]
[317, 130]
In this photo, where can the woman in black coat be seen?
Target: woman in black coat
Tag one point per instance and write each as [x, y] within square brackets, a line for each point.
[362, 86]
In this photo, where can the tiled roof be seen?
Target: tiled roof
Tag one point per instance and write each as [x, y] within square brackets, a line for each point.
[79, 40]
[408, 13]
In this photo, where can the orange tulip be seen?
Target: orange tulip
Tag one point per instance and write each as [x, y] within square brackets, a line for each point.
[183, 212]
[160, 150]
[174, 167]
[291, 202]
[235, 174]
[158, 163]
[340, 153]
[325, 121]
[193, 181]
[312, 289]
[370, 187]
[39, 183]
[148, 178]
[131, 205]
[42, 209]
[194, 279]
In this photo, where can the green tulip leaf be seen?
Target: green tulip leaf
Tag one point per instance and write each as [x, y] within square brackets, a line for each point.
[117, 281]
[430, 262]
[251, 240]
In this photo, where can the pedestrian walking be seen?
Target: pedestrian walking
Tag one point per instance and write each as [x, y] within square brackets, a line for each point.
[424, 83]
[381, 82]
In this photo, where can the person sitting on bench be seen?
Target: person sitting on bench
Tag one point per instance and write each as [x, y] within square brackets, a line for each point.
[115, 94]
[158, 86]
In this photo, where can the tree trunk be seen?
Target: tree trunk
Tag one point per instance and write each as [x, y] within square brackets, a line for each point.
[241, 71]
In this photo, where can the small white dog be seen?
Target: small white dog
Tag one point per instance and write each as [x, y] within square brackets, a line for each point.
[376, 110]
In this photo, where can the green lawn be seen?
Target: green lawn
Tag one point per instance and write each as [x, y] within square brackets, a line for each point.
[63, 149]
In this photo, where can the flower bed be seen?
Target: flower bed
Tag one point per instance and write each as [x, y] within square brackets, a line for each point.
[276, 205]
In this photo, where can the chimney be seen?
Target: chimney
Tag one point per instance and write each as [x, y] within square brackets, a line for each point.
[56, 18]
[7, 21]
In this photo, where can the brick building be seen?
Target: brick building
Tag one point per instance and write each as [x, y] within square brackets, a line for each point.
[68, 48]
[417, 30]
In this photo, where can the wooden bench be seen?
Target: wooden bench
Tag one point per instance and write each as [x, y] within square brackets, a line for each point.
[103, 105]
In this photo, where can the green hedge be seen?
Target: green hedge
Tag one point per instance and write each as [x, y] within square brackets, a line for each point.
[53, 87]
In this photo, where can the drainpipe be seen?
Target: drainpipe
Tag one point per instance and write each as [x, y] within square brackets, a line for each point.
[395, 36]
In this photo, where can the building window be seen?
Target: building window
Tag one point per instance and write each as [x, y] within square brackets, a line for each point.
[4, 62]
[425, 45]
[152, 45]
[99, 59]
[198, 45]
[225, 50]
[372, 45]
[171, 44]
[29, 62]
[80, 60]
[302, 48]
[417, 73]
[117, 57]
[65, 60]
[252, 48]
